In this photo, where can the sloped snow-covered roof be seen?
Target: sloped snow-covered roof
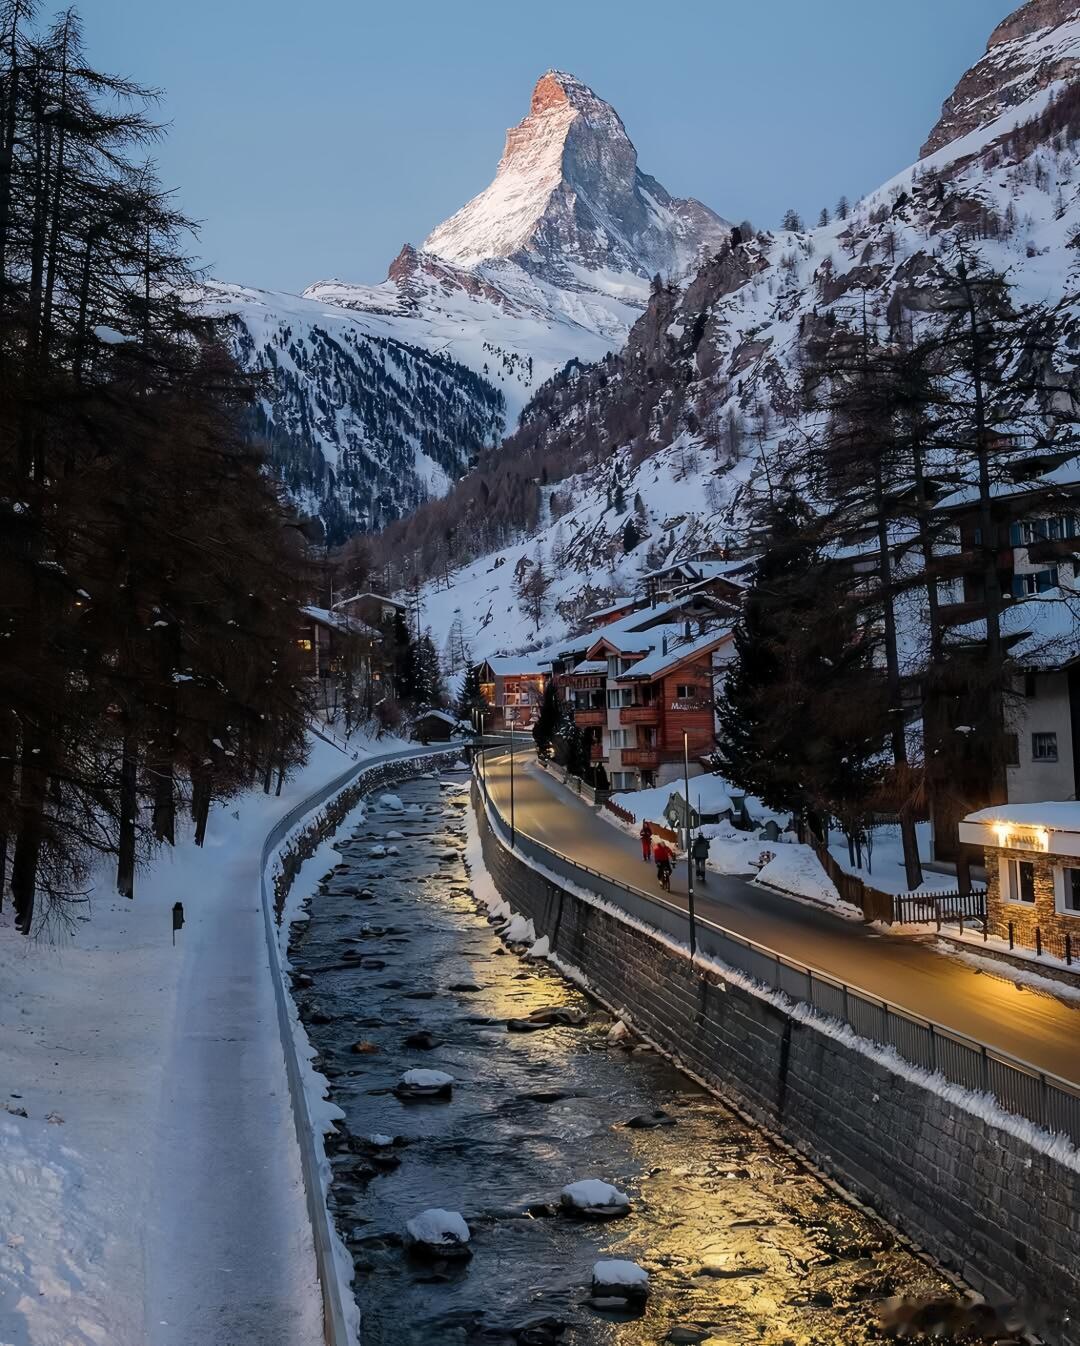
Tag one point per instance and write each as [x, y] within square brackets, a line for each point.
[590, 666]
[434, 713]
[515, 665]
[379, 598]
[1055, 815]
[661, 661]
[341, 621]
[625, 602]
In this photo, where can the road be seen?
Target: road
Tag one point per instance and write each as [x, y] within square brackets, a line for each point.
[1037, 1028]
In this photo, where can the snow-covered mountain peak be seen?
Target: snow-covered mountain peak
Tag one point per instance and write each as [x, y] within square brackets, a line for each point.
[568, 194]
[1032, 48]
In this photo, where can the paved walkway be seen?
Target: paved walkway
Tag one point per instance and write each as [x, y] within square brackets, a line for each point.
[1034, 1027]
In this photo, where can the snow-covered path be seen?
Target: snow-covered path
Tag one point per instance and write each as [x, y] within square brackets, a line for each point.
[233, 1260]
[164, 1203]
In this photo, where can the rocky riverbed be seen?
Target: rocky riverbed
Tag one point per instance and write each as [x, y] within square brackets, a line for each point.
[741, 1242]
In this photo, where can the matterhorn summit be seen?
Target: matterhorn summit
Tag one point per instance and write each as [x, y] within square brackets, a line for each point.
[568, 194]
[384, 394]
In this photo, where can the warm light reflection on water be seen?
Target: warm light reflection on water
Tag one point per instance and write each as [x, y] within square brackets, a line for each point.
[738, 1237]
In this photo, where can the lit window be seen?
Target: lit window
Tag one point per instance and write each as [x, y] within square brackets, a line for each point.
[1044, 747]
[1021, 875]
[305, 645]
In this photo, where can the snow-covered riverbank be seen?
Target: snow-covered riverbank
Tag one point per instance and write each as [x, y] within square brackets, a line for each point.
[162, 1072]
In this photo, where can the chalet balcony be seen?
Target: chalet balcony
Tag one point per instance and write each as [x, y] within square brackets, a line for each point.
[951, 565]
[640, 714]
[1052, 550]
[643, 757]
[959, 614]
[590, 719]
[596, 752]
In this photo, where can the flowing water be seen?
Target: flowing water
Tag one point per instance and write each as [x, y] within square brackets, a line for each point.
[742, 1242]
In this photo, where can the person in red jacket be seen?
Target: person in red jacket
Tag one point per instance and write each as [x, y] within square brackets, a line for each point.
[663, 855]
[646, 841]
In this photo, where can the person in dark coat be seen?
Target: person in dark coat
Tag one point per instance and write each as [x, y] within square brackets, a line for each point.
[700, 852]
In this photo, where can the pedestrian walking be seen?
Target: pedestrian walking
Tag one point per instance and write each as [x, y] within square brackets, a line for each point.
[700, 852]
[646, 841]
[664, 857]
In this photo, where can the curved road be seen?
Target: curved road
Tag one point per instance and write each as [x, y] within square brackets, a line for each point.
[1036, 1027]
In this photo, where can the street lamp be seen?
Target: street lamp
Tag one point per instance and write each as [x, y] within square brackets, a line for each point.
[689, 858]
[512, 716]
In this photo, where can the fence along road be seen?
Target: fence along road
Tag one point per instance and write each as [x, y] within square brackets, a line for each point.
[890, 988]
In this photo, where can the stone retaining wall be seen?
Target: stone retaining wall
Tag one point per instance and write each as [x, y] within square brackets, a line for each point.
[989, 1206]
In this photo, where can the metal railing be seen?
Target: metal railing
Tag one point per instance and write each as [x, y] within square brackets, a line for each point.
[335, 1325]
[1019, 1087]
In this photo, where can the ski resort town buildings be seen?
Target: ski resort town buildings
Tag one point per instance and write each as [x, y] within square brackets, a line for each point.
[1037, 541]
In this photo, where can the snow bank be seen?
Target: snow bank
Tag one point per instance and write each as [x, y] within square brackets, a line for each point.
[521, 931]
[540, 949]
[391, 801]
[1022, 976]
[796, 869]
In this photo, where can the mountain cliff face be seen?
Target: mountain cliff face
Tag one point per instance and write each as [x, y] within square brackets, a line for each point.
[568, 196]
[1035, 47]
[384, 394]
[675, 433]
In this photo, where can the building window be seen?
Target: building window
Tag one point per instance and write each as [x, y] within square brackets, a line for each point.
[623, 780]
[620, 696]
[1042, 530]
[1068, 888]
[305, 645]
[1021, 877]
[1031, 687]
[618, 738]
[686, 692]
[1038, 582]
[1044, 747]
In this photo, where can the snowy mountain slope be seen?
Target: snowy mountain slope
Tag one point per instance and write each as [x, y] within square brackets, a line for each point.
[1036, 45]
[693, 414]
[550, 264]
[359, 425]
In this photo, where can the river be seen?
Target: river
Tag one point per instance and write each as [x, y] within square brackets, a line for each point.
[743, 1242]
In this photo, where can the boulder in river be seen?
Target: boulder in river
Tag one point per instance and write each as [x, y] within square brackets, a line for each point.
[424, 1042]
[419, 1083]
[645, 1121]
[438, 1233]
[593, 1199]
[617, 1283]
[548, 1017]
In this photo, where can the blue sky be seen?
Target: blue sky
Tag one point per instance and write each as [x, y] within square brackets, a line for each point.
[312, 139]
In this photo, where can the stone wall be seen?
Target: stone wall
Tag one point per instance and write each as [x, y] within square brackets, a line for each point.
[995, 1210]
[1044, 913]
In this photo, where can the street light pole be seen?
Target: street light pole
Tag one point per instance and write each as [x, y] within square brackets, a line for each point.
[689, 858]
[513, 830]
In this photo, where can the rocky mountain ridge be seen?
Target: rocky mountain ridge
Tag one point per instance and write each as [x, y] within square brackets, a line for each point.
[673, 434]
[551, 263]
